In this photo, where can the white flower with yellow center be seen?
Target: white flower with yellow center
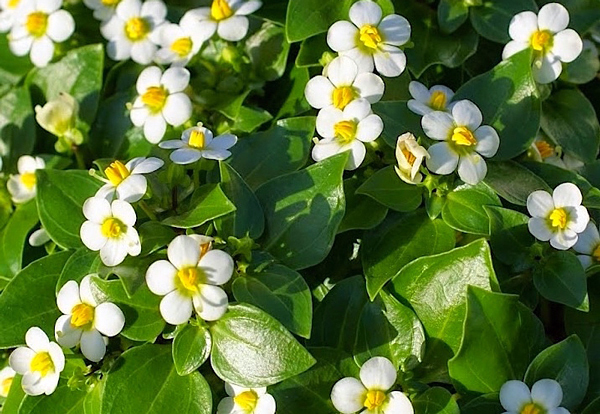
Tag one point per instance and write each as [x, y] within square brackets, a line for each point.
[37, 26]
[198, 142]
[370, 395]
[542, 150]
[372, 42]
[109, 229]
[465, 141]
[40, 363]
[85, 321]
[132, 31]
[8, 12]
[588, 244]
[161, 101]
[547, 34]
[126, 181]
[341, 83]
[544, 398]
[559, 217]
[22, 187]
[179, 42]
[190, 280]
[227, 18]
[7, 374]
[103, 9]
[409, 155]
[346, 130]
[246, 401]
[436, 98]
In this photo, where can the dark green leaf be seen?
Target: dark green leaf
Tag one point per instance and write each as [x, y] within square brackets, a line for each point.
[131, 271]
[13, 238]
[388, 189]
[510, 237]
[154, 236]
[82, 263]
[191, 348]
[311, 51]
[17, 126]
[513, 182]
[492, 17]
[488, 404]
[435, 400]
[451, 14]
[397, 119]
[362, 212]
[464, 211]
[208, 202]
[585, 68]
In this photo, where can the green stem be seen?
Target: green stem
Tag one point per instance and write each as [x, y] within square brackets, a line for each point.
[79, 157]
[148, 211]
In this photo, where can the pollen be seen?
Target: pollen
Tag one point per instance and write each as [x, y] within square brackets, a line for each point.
[42, 363]
[28, 180]
[182, 46]
[246, 400]
[463, 136]
[137, 28]
[374, 399]
[189, 278]
[342, 96]
[542, 41]
[197, 139]
[110, 3]
[345, 131]
[220, 10]
[370, 36]
[112, 228]
[116, 172]
[558, 218]
[155, 98]
[13, 3]
[82, 315]
[531, 408]
[36, 24]
[544, 148]
[410, 158]
[437, 101]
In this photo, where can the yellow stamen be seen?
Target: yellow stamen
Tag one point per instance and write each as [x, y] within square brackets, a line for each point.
[345, 131]
[342, 96]
[596, 253]
[542, 41]
[110, 3]
[116, 172]
[204, 248]
[197, 139]
[155, 98]
[220, 10]
[42, 363]
[531, 408]
[246, 400]
[374, 399]
[112, 227]
[370, 36]
[28, 180]
[463, 136]
[437, 101]
[82, 315]
[558, 218]
[13, 3]
[545, 149]
[5, 386]
[182, 46]
[137, 28]
[189, 278]
[36, 24]
[409, 156]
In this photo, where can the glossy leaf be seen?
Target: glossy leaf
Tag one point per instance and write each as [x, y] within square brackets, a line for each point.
[13, 238]
[191, 348]
[154, 236]
[513, 182]
[62, 401]
[435, 400]
[208, 202]
[17, 126]
[464, 211]
[451, 14]
[491, 18]
[397, 119]
[389, 190]
[362, 212]
[81, 263]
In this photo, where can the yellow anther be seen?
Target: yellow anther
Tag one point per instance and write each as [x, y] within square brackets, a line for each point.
[189, 278]
[42, 363]
[197, 139]
[112, 228]
[13, 3]
[116, 172]
[137, 28]
[28, 180]
[182, 46]
[558, 218]
[409, 156]
[5, 386]
[110, 3]
[596, 253]
[155, 98]
[531, 408]
[342, 96]
[542, 41]
[220, 10]
[345, 131]
[437, 101]
[370, 36]
[246, 400]
[545, 149]
[463, 136]
[374, 399]
[82, 315]
[36, 24]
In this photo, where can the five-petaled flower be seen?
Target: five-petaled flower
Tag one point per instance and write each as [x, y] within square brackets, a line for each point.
[409, 155]
[23, 186]
[436, 98]
[242, 400]
[544, 398]
[126, 181]
[198, 142]
[179, 42]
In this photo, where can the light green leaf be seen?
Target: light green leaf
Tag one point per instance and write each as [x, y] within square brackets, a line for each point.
[464, 211]
[191, 348]
[389, 190]
[435, 400]
[15, 397]
[62, 401]
[131, 271]
[82, 263]
[492, 17]
[14, 236]
[561, 278]
[208, 202]
[311, 51]
[268, 50]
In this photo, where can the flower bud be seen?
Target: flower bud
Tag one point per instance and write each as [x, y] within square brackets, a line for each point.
[409, 155]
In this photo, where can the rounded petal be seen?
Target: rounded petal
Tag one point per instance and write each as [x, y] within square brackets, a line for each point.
[418, 107]
[142, 52]
[548, 71]
[265, 405]
[176, 308]
[139, 113]
[369, 128]
[227, 406]
[567, 45]
[365, 12]
[579, 218]
[155, 128]
[175, 79]
[523, 25]
[22, 46]
[357, 154]
[514, 394]
[160, 277]
[91, 236]
[341, 36]
[395, 29]
[466, 113]
[442, 159]
[586, 261]
[390, 61]
[123, 211]
[96, 209]
[48, 6]
[357, 110]
[342, 71]
[20, 359]
[172, 144]
[419, 91]
[437, 125]
[327, 118]
[378, 373]
[233, 28]
[547, 393]
[559, 410]
[42, 50]
[222, 142]
[155, 9]
[68, 297]
[325, 149]
[185, 155]
[553, 17]
[36, 339]
[488, 141]
[178, 109]
[113, 252]
[66, 335]
[248, 7]
[149, 77]
[540, 204]
[567, 195]
[183, 251]
[211, 302]
[109, 319]
[118, 48]
[363, 60]
[217, 266]
[132, 240]
[538, 227]
[563, 240]
[318, 92]
[369, 86]
[39, 238]
[348, 395]
[85, 291]
[60, 26]
[132, 188]
[588, 240]
[92, 345]
[33, 384]
[472, 168]
[398, 404]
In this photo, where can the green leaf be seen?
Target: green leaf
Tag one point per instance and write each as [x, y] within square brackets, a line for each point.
[29, 300]
[388, 189]
[311, 51]
[15, 397]
[60, 198]
[501, 336]
[513, 182]
[62, 401]
[81, 263]
[566, 362]
[191, 348]
[510, 238]
[13, 67]
[491, 19]
[362, 212]
[585, 68]
[451, 14]
[268, 50]
[249, 119]
[131, 271]
[392, 245]
[143, 380]
[509, 101]
[488, 404]
[435, 400]
[269, 154]
[17, 126]
[397, 119]
[282, 293]
[13, 238]
[303, 211]
[569, 119]
[286, 95]
[561, 278]
[154, 236]
[464, 211]
[248, 218]
[208, 202]
[425, 283]
[92, 404]
[252, 349]
[593, 408]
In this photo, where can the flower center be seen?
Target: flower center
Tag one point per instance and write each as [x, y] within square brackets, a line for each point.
[82, 315]
[342, 96]
[409, 156]
[28, 180]
[542, 41]
[42, 363]
[463, 136]
[110, 3]
[345, 131]
[197, 139]
[531, 408]
[246, 400]
[189, 278]
[182, 46]
[545, 149]
[374, 399]
[5, 386]
[13, 3]
[370, 36]
[112, 228]
[155, 98]
[437, 101]
[558, 218]
[116, 172]
[137, 28]
[36, 24]
[220, 10]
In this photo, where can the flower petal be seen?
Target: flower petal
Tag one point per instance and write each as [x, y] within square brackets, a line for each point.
[549, 70]
[342, 71]
[363, 60]
[369, 86]
[96, 209]
[553, 17]
[357, 110]
[586, 261]
[348, 395]
[547, 393]
[185, 156]
[578, 218]
[211, 302]
[217, 266]
[92, 345]
[327, 118]
[20, 359]
[539, 228]
[109, 319]
[183, 251]
[488, 141]
[378, 373]
[341, 36]
[325, 149]
[36, 339]
[33, 384]
[248, 7]
[365, 12]
[132, 188]
[176, 308]
[172, 144]
[318, 92]
[522, 26]
[563, 240]
[437, 125]
[175, 79]
[113, 252]
[369, 129]
[265, 405]
[390, 61]
[160, 277]
[178, 109]
[466, 113]
[472, 168]
[395, 29]
[442, 159]
[418, 107]
[123, 211]
[513, 395]
[85, 291]
[66, 335]
[147, 78]
[540, 204]
[588, 240]
[222, 142]
[398, 404]
[60, 26]
[227, 406]
[357, 154]
[42, 51]
[567, 45]
[142, 52]
[91, 236]
[233, 28]
[68, 297]
[567, 195]
[155, 128]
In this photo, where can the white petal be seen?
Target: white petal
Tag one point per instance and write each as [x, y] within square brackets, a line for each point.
[233, 29]
[132, 188]
[342, 71]
[389, 61]
[369, 128]
[160, 277]
[513, 47]
[20, 359]
[60, 26]
[378, 373]
[540, 204]
[466, 113]
[66, 335]
[68, 297]
[139, 113]
[217, 266]
[149, 77]
[57, 355]
[563, 240]
[109, 319]
[176, 308]
[357, 110]
[33, 384]
[91, 236]
[118, 48]
[472, 168]
[155, 9]
[588, 240]
[327, 118]
[318, 92]
[132, 240]
[211, 302]
[513, 395]
[341, 36]
[325, 149]
[567, 45]
[39, 238]
[85, 291]
[172, 144]
[348, 395]
[185, 156]
[227, 406]
[42, 50]
[129, 8]
[547, 393]
[549, 71]
[20, 47]
[553, 17]
[36, 339]
[222, 142]
[48, 6]
[175, 79]
[206, 30]
[248, 7]
[96, 209]
[586, 261]
[113, 252]
[538, 227]
[438, 125]
[365, 12]
[442, 159]
[92, 345]
[448, 93]
[155, 128]
[369, 86]
[488, 141]
[178, 109]
[567, 194]
[419, 91]
[418, 107]
[123, 211]
[395, 29]
[523, 25]
[398, 404]
[143, 51]
[363, 60]
[578, 218]
[183, 251]
[265, 405]
[357, 154]
[559, 410]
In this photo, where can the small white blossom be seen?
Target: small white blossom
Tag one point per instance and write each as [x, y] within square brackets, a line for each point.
[8, 12]
[436, 98]
[198, 142]
[410, 156]
[242, 400]
[103, 9]
[7, 374]
[40, 363]
[59, 117]
[559, 217]
[22, 187]
[544, 398]
[179, 42]
[588, 244]
[39, 237]
[126, 181]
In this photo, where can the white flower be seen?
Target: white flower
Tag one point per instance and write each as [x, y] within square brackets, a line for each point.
[190, 280]
[161, 101]
[409, 155]
[558, 217]
[85, 321]
[547, 34]
[39, 238]
[126, 181]
[109, 228]
[22, 187]
[103, 9]
[8, 12]
[227, 18]
[341, 83]
[7, 374]
[436, 98]
[346, 130]
[588, 244]
[370, 40]
[37, 26]
[198, 142]
[132, 31]
[465, 140]
[40, 363]
[246, 401]
[544, 398]
[59, 117]
[370, 394]
[543, 151]
[179, 42]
